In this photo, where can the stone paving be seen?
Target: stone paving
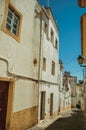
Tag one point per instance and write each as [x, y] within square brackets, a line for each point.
[36, 128]
[77, 121]
[44, 124]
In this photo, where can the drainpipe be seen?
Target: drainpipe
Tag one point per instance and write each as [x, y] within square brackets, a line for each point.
[39, 69]
[39, 15]
[40, 49]
[9, 73]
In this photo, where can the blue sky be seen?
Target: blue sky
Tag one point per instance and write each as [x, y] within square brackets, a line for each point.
[67, 14]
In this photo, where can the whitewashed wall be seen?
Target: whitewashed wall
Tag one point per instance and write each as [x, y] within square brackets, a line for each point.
[49, 89]
[17, 57]
[20, 55]
[51, 54]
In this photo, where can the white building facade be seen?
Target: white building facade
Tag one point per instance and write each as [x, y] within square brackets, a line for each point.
[49, 65]
[19, 63]
[64, 91]
[60, 81]
[29, 48]
[67, 97]
[80, 101]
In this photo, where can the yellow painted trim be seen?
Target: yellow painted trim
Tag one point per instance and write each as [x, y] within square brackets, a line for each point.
[10, 104]
[6, 79]
[3, 27]
[10, 100]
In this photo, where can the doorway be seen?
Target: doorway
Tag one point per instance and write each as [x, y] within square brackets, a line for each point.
[51, 104]
[42, 107]
[4, 87]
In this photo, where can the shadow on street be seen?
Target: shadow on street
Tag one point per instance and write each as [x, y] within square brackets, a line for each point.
[77, 121]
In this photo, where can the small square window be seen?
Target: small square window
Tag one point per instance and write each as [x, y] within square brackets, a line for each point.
[56, 44]
[53, 68]
[52, 36]
[46, 29]
[44, 64]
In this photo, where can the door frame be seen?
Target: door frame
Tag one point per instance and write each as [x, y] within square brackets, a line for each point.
[51, 103]
[42, 105]
[10, 100]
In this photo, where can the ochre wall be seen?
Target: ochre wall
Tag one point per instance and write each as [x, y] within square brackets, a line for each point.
[83, 34]
[24, 119]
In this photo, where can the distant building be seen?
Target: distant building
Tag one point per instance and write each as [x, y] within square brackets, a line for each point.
[64, 92]
[77, 92]
[80, 101]
[73, 82]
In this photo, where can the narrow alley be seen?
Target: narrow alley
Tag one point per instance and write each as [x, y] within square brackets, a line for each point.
[75, 122]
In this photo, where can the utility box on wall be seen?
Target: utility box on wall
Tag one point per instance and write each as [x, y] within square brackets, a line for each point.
[82, 3]
[83, 34]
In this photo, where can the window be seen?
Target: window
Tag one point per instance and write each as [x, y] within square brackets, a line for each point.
[56, 44]
[12, 21]
[53, 68]
[46, 29]
[44, 64]
[52, 36]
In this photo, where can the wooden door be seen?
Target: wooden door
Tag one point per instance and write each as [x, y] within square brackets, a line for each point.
[51, 104]
[3, 103]
[42, 107]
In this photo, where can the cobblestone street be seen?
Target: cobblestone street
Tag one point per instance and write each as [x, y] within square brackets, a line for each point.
[75, 122]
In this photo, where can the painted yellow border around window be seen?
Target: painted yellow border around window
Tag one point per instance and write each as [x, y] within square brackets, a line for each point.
[16, 37]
